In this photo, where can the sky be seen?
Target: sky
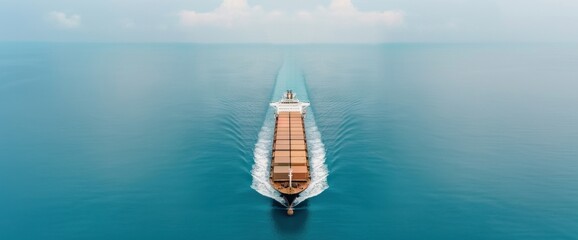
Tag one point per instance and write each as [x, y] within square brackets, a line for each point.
[289, 21]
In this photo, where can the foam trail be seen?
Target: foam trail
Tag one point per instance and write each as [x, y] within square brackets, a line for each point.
[289, 77]
[319, 170]
[262, 156]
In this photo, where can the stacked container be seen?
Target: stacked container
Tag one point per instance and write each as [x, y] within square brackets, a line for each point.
[290, 148]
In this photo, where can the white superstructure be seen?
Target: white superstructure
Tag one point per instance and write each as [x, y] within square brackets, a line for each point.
[289, 103]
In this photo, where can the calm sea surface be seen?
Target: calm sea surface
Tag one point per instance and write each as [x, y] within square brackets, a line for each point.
[164, 141]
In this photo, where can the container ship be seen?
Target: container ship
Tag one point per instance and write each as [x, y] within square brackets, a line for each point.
[289, 173]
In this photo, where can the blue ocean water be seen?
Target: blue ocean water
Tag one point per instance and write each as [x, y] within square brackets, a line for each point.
[413, 141]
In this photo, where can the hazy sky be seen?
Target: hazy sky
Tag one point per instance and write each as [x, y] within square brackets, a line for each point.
[290, 21]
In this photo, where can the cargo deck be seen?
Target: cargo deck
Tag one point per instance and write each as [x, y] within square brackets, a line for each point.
[289, 159]
[290, 154]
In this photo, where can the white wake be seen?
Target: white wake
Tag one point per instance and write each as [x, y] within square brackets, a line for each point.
[262, 156]
[319, 170]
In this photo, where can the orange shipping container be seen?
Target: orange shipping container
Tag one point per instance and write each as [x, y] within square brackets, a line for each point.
[300, 173]
[278, 147]
[298, 154]
[281, 136]
[298, 161]
[298, 147]
[283, 142]
[286, 161]
[281, 173]
[281, 161]
[281, 153]
[296, 142]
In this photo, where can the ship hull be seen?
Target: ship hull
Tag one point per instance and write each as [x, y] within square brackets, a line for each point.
[289, 173]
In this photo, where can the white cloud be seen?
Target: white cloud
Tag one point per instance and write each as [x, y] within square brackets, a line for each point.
[64, 20]
[334, 21]
[345, 10]
[229, 13]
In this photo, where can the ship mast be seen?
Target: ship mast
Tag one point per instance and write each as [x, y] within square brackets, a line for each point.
[290, 177]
